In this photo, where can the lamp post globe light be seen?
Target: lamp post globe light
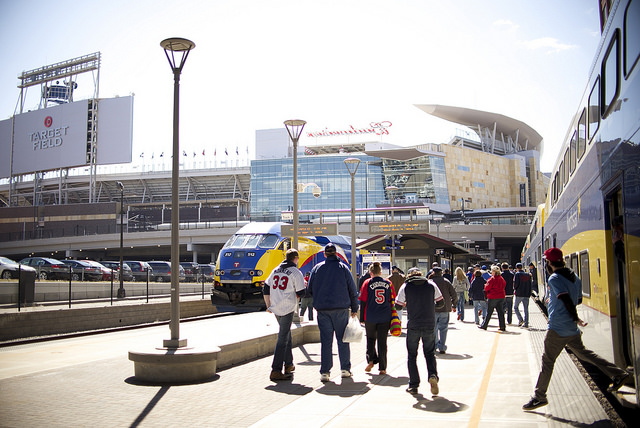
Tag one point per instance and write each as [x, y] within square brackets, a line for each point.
[294, 128]
[352, 166]
[121, 291]
[177, 50]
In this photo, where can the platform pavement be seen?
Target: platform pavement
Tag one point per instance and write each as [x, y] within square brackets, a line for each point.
[485, 377]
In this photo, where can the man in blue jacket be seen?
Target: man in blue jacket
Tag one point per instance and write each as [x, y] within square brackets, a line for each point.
[334, 293]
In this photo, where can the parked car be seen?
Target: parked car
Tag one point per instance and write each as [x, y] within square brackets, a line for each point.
[190, 271]
[127, 274]
[106, 272]
[9, 268]
[205, 272]
[47, 268]
[139, 270]
[83, 271]
[162, 271]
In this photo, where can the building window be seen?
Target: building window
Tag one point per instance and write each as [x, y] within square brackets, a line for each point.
[463, 168]
[478, 184]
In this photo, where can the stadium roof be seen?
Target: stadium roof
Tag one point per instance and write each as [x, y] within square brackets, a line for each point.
[505, 125]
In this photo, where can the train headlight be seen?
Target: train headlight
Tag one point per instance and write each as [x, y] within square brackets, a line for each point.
[252, 273]
[217, 272]
[258, 273]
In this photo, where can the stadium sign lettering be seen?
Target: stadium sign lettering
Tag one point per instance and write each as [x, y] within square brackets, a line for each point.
[378, 128]
[48, 138]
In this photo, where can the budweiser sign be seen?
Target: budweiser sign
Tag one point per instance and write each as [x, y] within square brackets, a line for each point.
[377, 128]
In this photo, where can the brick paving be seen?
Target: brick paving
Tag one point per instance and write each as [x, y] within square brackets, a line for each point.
[103, 393]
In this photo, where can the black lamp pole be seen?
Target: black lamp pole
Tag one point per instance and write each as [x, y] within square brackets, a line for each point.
[121, 291]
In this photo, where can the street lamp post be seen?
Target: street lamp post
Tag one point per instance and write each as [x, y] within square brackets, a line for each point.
[352, 167]
[294, 128]
[121, 291]
[392, 189]
[176, 47]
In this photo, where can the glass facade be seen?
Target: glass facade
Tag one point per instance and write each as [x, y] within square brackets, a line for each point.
[272, 185]
[419, 180]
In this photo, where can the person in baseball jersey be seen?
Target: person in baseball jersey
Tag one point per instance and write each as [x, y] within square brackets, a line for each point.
[281, 291]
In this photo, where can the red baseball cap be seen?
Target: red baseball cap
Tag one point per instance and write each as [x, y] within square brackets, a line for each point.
[553, 254]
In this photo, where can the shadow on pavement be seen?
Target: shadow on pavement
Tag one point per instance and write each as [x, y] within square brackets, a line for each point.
[438, 405]
[133, 381]
[290, 388]
[348, 388]
[149, 407]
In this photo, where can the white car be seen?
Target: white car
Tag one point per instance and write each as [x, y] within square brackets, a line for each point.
[9, 268]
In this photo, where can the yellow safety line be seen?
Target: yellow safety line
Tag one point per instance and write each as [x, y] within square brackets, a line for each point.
[476, 413]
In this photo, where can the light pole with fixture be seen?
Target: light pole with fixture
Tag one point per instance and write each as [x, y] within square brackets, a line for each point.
[352, 167]
[173, 48]
[294, 128]
[121, 291]
[392, 189]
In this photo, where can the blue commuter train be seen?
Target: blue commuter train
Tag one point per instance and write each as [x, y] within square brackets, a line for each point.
[592, 210]
[248, 257]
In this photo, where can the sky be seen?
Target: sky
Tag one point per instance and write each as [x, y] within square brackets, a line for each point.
[334, 64]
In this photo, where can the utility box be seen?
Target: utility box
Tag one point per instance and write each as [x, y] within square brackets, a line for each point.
[27, 286]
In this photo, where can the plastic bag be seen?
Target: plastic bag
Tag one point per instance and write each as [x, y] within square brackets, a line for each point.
[353, 332]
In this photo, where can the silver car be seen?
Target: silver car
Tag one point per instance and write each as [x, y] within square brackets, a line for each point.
[9, 268]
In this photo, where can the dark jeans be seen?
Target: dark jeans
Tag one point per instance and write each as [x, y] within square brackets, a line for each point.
[306, 302]
[498, 305]
[330, 322]
[282, 354]
[554, 344]
[377, 332]
[428, 336]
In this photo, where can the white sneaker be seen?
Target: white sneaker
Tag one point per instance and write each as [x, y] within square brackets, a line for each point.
[346, 373]
[324, 377]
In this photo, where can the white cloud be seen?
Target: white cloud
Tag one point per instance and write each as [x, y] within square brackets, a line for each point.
[551, 44]
[506, 24]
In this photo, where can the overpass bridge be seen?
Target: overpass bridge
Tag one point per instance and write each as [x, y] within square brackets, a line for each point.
[202, 242]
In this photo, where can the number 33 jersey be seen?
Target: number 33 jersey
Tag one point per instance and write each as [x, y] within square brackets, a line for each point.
[283, 283]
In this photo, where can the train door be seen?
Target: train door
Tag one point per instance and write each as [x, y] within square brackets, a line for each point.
[622, 323]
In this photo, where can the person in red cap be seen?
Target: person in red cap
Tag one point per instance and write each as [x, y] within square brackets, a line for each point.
[565, 289]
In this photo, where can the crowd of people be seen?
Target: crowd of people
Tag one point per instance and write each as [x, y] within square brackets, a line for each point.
[429, 299]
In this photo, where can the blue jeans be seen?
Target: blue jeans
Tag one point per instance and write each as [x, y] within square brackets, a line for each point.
[428, 337]
[330, 322]
[525, 305]
[440, 331]
[508, 308]
[282, 354]
[460, 307]
[480, 305]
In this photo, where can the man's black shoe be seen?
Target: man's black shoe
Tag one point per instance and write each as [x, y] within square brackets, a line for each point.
[534, 403]
[412, 390]
[618, 382]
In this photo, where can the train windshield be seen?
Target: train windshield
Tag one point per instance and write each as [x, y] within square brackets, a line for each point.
[252, 241]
